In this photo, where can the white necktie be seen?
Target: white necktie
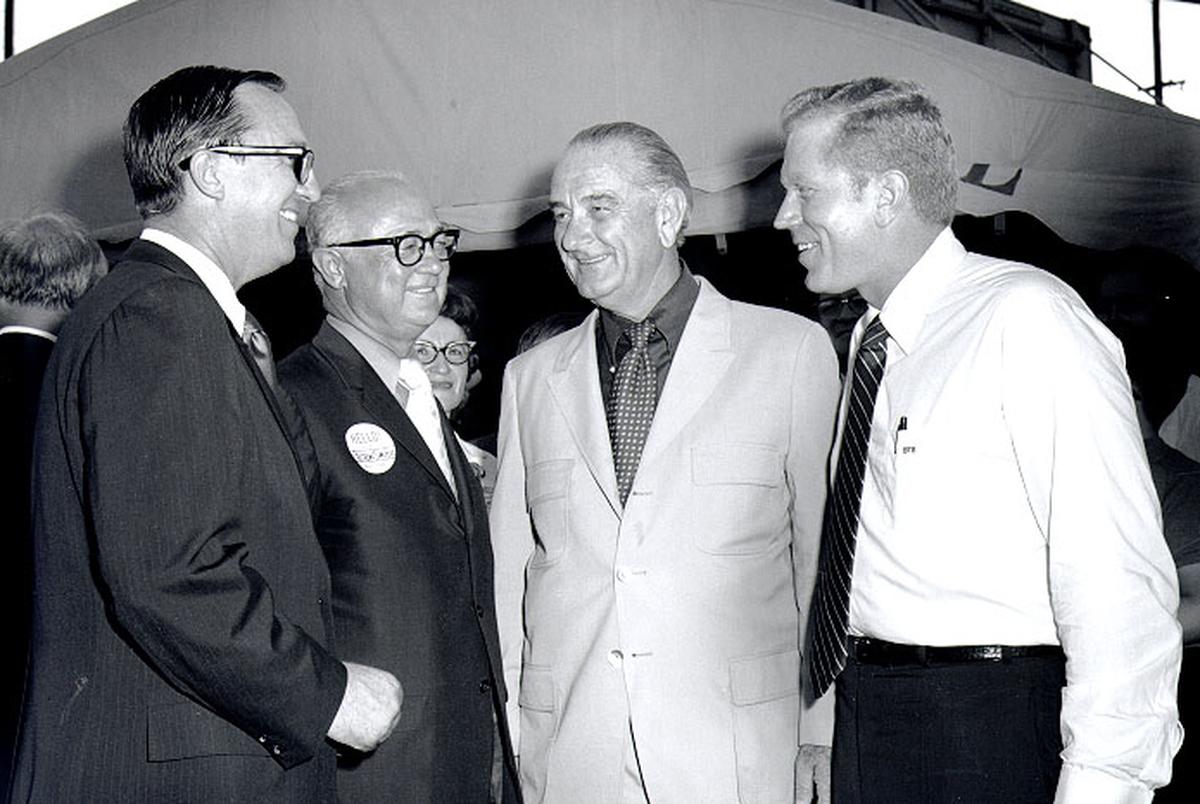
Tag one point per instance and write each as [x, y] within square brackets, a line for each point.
[423, 412]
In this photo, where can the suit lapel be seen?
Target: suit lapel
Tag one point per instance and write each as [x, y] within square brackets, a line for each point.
[704, 355]
[378, 400]
[575, 386]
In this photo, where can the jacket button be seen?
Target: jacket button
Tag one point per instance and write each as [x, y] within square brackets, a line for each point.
[485, 686]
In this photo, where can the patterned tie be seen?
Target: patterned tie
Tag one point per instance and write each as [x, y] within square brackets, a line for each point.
[634, 397]
[831, 597]
[260, 348]
[423, 412]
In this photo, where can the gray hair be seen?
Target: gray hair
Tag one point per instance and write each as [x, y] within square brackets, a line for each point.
[329, 218]
[48, 260]
[886, 124]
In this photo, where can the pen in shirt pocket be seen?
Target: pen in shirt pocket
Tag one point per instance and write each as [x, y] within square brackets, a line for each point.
[901, 444]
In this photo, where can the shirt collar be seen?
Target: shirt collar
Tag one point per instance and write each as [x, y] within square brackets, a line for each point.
[382, 360]
[206, 270]
[21, 329]
[913, 297]
[670, 314]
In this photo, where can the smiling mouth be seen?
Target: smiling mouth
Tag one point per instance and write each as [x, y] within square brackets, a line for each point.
[805, 246]
[588, 261]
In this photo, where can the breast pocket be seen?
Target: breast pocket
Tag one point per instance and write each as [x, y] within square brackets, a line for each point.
[546, 491]
[741, 503]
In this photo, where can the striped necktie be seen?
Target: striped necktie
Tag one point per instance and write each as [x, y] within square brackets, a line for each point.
[634, 397]
[831, 597]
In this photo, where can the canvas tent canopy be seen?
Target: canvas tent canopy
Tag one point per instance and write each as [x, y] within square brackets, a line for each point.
[476, 99]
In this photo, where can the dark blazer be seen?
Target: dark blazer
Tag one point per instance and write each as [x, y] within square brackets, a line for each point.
[23, 359]
[412, 582]
[181, 612]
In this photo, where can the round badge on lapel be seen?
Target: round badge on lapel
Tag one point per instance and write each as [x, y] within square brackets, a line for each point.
[371, 447]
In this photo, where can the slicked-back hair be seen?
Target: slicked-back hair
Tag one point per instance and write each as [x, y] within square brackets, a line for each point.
[189, 110]
[48, 260]
[657, 166]
[886, 124]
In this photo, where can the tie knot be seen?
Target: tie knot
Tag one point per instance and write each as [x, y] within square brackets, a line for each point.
[412, 376]
[875, 336]
[254, 337]
[639, 333]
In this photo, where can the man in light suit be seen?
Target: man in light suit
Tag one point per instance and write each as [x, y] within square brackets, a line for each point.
[181, 634]
[663, 591]
[400, 514]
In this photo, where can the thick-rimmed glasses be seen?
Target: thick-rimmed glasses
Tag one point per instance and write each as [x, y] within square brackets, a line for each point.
[410, 248]
[455, 352]
[302, 158]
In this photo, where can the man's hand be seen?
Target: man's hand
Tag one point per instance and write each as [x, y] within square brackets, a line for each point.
[370, 708]
[813, 764]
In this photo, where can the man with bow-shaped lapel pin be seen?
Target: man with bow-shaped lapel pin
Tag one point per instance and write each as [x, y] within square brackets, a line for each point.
[400, 514]
[657, 509]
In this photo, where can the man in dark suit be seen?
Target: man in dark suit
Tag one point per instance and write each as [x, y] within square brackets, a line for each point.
[181, 622]
[401, 518]
[47, 261]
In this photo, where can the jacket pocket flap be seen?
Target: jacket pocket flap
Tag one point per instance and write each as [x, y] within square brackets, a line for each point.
[537, 689]
[754, 679]
[184, 730]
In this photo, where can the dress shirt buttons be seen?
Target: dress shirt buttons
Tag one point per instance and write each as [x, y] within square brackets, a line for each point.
[263, 740]
[485, 686]
[276, 750]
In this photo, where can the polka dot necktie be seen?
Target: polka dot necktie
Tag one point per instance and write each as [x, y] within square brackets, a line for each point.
[634, 396]
[831, 597]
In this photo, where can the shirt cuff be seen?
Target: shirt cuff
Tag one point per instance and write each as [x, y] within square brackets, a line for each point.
[1080, 785]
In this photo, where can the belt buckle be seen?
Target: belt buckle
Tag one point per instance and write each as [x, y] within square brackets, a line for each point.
[990, 653]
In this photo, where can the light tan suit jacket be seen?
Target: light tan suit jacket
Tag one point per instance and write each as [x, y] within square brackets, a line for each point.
[681, 615]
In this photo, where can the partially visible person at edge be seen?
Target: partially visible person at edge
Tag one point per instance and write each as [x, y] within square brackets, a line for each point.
[657, 511]
[182, 621]
[995, 598]
[1142, 297]
[400, 515]
[47, 261]
[447, 351]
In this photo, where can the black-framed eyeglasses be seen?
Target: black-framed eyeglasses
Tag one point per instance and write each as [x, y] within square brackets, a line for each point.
[410, 248]
[456, 352]
[302, 158]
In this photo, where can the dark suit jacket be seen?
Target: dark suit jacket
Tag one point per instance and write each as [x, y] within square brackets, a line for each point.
[412, 582]
[181, 603]
[23, 359]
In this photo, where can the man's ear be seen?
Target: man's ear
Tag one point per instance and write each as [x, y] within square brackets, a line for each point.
[205, 175]
[669, 216]
[329, 266]
[891, 196]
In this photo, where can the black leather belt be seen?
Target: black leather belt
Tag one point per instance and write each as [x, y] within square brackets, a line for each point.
[877, 651]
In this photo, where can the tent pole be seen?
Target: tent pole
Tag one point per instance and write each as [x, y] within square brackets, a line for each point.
[1158, 79]
[8, 27]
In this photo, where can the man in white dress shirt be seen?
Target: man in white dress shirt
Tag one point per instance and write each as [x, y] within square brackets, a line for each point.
[1003, 628]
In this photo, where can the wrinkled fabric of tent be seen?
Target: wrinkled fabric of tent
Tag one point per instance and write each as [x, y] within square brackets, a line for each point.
[476, 99]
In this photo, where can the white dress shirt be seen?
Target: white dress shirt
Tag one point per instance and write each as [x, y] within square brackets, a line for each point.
[209, 272]
[1007, 500]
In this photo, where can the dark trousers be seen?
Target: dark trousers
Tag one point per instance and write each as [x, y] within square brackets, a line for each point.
[971, 732]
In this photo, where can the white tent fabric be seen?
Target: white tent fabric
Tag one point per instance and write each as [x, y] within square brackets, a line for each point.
[476, 98]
